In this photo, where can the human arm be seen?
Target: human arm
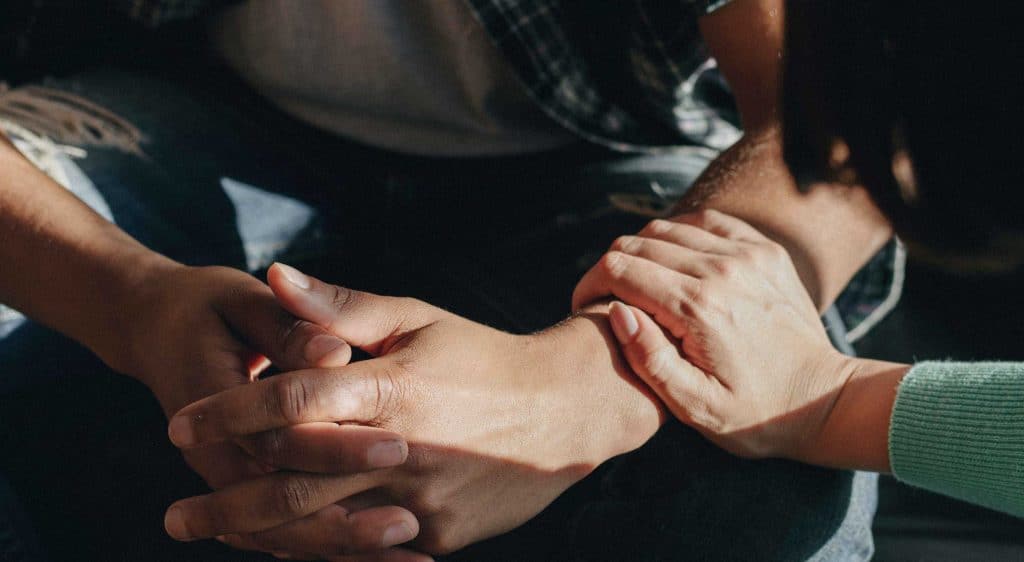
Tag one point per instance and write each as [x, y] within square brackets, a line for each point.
[491, 418]
[832, 230]
[728, 338]
[184, 332]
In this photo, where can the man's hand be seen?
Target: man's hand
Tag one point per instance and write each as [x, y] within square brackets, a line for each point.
[498, 425]
[198, 331]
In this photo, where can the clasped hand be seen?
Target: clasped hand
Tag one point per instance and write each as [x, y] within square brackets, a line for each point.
[497, 427]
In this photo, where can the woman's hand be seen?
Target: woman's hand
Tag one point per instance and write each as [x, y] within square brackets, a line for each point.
[722, 329]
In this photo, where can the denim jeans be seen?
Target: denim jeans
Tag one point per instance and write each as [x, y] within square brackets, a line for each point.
[226, 179]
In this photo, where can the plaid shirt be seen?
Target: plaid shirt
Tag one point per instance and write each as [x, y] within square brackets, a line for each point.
[630, 75]
[633, 75]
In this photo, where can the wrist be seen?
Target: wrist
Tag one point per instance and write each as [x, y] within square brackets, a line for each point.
[122, 298]
[616, 413]
[855, 432]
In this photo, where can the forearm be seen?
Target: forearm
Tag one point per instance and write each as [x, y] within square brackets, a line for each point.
[582, 353]
[855, 434]
[830, 232]
[66, 266]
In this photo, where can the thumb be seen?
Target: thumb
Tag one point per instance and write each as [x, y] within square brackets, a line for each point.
[657, 361]
[368, 321]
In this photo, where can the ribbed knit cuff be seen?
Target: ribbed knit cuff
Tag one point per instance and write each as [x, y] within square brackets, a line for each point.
[958, 429]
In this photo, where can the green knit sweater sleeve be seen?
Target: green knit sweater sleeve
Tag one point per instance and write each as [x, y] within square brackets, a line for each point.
[958, 429]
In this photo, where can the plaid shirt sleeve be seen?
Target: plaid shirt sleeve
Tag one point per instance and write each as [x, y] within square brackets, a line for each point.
[573, 57]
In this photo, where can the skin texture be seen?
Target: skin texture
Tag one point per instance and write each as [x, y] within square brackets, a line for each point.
[831, 230]
[216, 344]
[725, 333]
[184, 332]
[485, 420]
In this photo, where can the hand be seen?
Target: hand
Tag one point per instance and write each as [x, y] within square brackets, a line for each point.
[498, 425]
[198, 331]
[723, 331]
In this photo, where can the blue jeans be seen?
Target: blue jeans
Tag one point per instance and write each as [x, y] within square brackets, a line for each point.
[226, 179]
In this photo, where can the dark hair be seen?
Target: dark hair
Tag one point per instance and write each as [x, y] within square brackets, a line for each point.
[921, 103]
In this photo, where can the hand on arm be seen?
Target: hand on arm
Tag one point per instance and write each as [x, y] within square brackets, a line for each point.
[724, 332]
[492, 419]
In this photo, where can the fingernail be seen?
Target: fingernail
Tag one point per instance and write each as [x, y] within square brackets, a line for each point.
[623, 322]
[320, 347]
[180, 431]
[174, 524]
[397, 533]
[386, 453]
[294, 276]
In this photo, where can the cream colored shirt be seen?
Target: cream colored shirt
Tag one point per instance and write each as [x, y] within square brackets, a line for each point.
[416, 76]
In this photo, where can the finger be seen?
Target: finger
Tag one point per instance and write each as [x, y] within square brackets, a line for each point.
[368, 321]
[726, 226]
[666, 254]
[657, 289]
[656, 359]
[260, 504]
[688, 235]
[336, 531]
[223, 464]
[358, 393]
[289, 342]
[327, 447]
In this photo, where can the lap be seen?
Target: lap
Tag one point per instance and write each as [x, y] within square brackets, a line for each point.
[501, 241]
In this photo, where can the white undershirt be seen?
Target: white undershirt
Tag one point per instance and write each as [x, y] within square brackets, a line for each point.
[416, 76]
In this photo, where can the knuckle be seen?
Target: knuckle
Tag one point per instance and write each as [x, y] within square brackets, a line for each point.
[290, 330]
[270, 446]
[613, 264]
[293, 496]
[294, 399]
[702, 415]
[658, 226]
[654, 362]
[420, 461]
[627, 244]
[383, 395]
[724, 266]
[696, 300]
[342, 297]
[748, 254]
[429, 499]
